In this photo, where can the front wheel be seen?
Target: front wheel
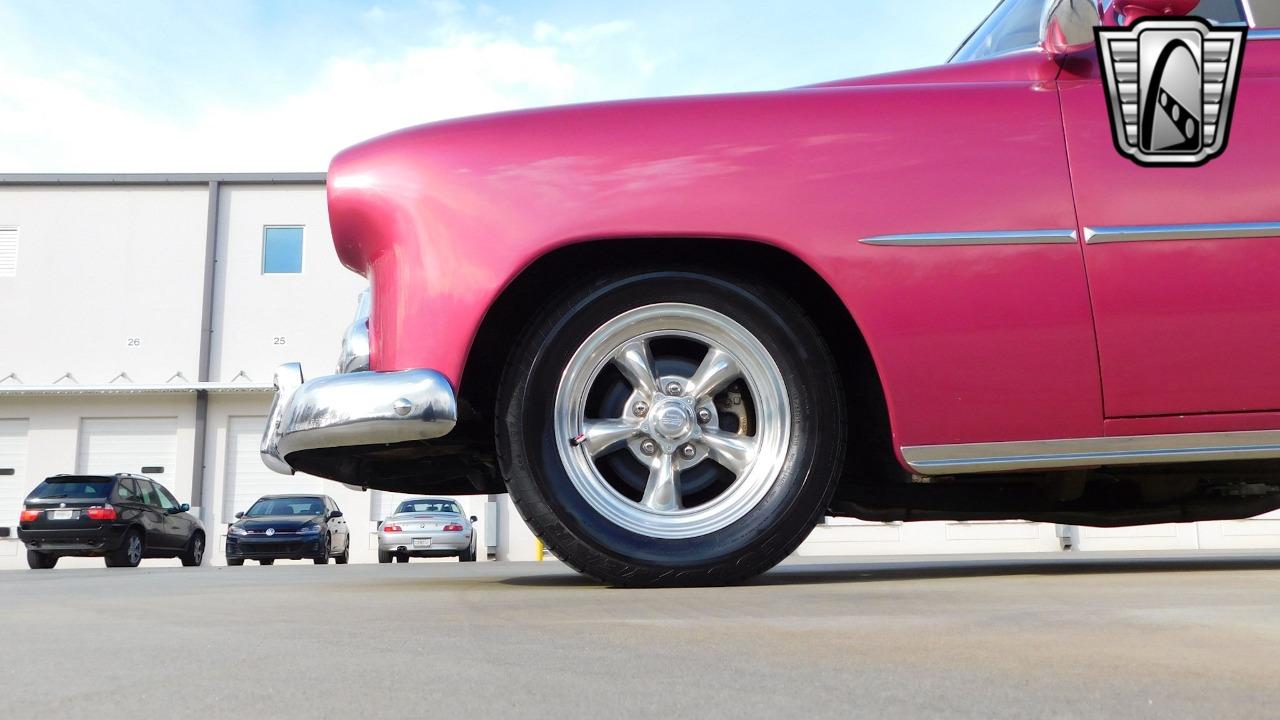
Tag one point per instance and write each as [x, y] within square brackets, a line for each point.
[323, 559]
[672, 428]
[40, 560]
[193, 554]
[235, 562]
[345, 557]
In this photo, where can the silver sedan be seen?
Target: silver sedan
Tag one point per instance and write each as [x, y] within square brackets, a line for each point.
[427, 527]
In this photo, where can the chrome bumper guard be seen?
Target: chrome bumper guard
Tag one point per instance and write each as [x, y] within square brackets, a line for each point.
[354, 409]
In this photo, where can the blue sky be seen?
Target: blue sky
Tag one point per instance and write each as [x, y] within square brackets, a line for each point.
[281, 85]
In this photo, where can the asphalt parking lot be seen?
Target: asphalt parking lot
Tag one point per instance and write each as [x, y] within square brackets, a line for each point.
[1133, 635]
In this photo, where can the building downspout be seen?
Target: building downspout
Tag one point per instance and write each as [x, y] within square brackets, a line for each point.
[206, 350]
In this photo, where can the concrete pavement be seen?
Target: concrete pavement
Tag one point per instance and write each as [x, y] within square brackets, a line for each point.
[1133, 635]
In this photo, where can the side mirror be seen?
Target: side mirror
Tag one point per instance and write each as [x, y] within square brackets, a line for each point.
[473, 518]
[1125, 12]
[1067, 25]
[335, 514]
[239, 515]
[184, 507]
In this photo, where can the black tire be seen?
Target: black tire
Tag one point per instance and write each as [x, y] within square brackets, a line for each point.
[235, 562]
[345, 557]
[468, 555]
[402, 558]
[41, 561]
[586, 540]
[128, 554]
[324, 554]
[384, 556]
[193, 554]
[267, 561]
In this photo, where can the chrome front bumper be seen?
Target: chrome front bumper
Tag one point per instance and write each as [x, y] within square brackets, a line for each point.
[354, 409]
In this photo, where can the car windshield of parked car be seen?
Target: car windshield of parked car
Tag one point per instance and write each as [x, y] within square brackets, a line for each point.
[428, 506]
[287, 506]
[80, 488]
[1013, 25]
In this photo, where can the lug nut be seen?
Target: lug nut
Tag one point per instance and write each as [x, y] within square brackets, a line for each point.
[639, 409]
[673, 388]
[648, 447]
[687, 452]
[704, 416]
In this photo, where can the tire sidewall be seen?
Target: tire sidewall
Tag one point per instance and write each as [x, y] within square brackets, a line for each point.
[789, 506]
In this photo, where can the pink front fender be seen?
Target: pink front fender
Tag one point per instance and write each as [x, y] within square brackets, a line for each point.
[974, 343]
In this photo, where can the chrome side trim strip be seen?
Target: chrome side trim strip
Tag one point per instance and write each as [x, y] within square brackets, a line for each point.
[1142, 233]
[1089, 452]
[1264, 34]
[989, 237]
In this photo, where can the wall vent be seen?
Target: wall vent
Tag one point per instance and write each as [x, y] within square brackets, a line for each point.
[8, 251]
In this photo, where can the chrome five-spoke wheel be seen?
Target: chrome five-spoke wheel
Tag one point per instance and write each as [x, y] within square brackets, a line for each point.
[672, 420]
[671, 427]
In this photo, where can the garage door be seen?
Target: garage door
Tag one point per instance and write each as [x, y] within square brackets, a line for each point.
[1262, 532]
[247, 478]
[142, 446]
[14, 485]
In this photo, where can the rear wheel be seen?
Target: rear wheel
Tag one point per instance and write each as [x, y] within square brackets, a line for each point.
[193, 554]
[402, 558]
[384, 556]
[129, 554]
[267, 561]
[468, 555]
[40, 560]
[672, 428]
[235, 562]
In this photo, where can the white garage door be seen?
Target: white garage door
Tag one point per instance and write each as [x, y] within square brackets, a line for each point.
[142, 446]
[14, 485]
[247, 478]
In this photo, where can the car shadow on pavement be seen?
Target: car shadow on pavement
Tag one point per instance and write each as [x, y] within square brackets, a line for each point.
[947, 569]
[809, 573]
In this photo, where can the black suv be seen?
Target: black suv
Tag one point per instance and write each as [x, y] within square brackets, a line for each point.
[123, 518]
[289, 527]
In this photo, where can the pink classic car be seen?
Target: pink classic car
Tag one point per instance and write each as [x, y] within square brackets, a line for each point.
[681, 331]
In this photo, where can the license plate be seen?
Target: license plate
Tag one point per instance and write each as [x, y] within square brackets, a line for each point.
[61, 514]
[422, 542]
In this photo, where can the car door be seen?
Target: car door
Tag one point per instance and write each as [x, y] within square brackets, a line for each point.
[177, 524]
[127, 499]
[1183, 263]
[338, 527]
[153, 517]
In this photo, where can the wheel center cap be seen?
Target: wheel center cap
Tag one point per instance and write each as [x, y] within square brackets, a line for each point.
[672, 420]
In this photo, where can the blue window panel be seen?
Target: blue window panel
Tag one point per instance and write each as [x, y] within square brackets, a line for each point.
[282, 250]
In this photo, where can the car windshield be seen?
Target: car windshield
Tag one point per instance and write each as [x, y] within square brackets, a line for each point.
[91, 488]
[428, 506]
[287, 506]
[1013, 25]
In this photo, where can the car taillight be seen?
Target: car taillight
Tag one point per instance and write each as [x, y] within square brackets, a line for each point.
[104, 512]
[391, 528]
[453, 527]
[29, 516]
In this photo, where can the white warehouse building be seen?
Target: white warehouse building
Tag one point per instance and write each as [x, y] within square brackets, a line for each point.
[143, 316]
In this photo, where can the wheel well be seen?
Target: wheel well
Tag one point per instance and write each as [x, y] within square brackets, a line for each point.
[870, 453]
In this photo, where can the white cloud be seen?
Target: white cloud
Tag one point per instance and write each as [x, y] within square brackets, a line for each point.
[68, 123]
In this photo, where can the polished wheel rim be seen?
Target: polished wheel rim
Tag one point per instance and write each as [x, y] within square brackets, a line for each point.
[197, 550]
[672, 420]
[135, 550]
